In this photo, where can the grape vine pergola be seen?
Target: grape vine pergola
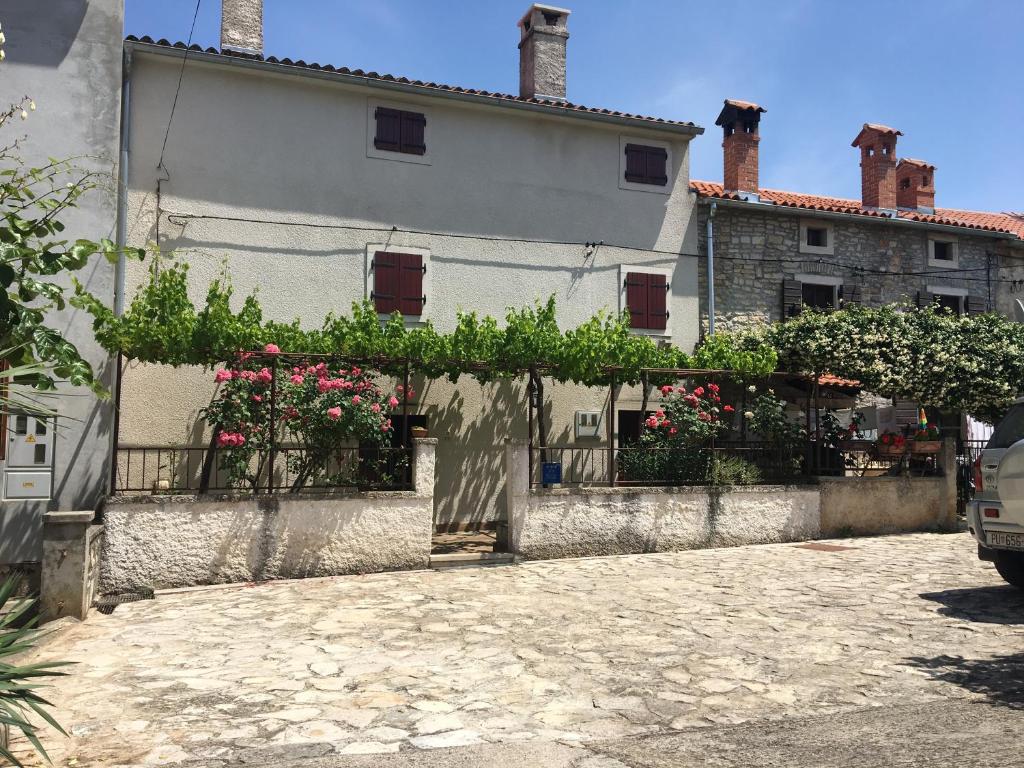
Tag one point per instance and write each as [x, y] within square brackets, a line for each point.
[404, 367]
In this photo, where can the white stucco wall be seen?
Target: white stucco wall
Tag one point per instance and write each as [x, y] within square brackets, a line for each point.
[261, 146]
[169, 541]
[587, 521]
[582, 522]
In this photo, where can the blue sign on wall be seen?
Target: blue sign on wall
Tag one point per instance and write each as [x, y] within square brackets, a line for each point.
[550, 473]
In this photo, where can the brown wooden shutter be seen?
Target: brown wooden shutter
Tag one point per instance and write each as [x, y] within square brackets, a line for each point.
[657, 303]
[976, 305]
[411, 282]
[850, 294]
[792, 298]
[635, 164]
[413, 124]
[386, 287]
[656, 158]
[637, 292]
[389, 129]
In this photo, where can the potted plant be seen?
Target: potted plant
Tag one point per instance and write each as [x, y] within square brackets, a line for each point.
[853, 435]
[891, 444]
[926, 440]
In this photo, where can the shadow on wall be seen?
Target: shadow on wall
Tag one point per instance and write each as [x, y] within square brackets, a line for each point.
[471, 452]
[42, 40]
[89, 478]
[988, 605]
[999, 678]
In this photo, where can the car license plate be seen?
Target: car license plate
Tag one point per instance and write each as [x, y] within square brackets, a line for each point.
[1006, 540]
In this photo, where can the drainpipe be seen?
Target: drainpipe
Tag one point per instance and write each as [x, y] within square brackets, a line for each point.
[711, 268]
[122, 183]
[122, 238]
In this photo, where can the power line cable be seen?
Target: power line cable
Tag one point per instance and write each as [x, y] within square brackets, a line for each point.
[181, 75]
[956, 272]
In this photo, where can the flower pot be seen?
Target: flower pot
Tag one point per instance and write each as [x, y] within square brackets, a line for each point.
[890, 450]
[419, 432]
[925, 446]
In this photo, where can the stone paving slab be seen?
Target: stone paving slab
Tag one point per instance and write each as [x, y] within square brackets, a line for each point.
[567, 652]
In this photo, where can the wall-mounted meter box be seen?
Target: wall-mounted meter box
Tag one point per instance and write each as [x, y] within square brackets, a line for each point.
[588, 424]
[28, 461]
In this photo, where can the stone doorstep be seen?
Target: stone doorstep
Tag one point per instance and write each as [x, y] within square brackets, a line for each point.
[467, 559]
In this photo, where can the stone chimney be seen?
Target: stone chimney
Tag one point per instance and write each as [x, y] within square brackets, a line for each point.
[739, 121]
[543, 35]
[915, 185]
[241, 27]
[877, 166]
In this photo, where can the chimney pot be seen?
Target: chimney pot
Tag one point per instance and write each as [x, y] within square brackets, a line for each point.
[241, 27]
[543, 37]
[877, 145]
[740, 121]
[915, 185]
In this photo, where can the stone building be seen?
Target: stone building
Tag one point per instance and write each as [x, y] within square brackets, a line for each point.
[774, 251]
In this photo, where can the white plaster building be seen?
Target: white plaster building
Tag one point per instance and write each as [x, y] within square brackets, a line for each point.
[300, 175]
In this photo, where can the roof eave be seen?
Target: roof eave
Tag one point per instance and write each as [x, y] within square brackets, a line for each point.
[638, 123]
[859, 217]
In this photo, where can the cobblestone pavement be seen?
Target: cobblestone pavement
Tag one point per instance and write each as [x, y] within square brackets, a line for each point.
[556, 652]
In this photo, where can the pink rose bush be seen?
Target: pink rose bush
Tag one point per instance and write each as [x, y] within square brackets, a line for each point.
[325, 409]
[670, 449]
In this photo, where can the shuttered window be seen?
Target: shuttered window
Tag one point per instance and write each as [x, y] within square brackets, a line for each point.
[398, 283]
[646, 165]
[400, 131]
[647, 300]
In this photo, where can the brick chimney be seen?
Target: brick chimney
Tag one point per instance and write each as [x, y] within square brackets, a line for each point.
[877, 166]
[915, 185]
[739, 121]
[241, 27]
[543, 35]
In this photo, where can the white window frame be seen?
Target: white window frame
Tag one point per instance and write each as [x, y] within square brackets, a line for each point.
[830, 236]
[669, 167]
[371, 248]
[399, 157]
[948, 290]
[625, 269]
[954, 263]
[835, 282]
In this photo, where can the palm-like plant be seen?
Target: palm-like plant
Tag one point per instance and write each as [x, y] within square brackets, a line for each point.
[18, 684]
[17, 391]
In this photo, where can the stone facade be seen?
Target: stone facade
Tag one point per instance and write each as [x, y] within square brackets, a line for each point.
[757, 248]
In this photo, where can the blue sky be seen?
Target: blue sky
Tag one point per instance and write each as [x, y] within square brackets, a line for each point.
[946, 72]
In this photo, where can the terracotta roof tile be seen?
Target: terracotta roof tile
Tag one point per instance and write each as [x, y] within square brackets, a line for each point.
[745, 105]
[828, 380]
[991, 222]
[564, 106]
[918, 163]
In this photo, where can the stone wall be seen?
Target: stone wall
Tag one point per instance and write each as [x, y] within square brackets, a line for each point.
[867, 506]
[756, 251]
[590, 521]
[178, 541]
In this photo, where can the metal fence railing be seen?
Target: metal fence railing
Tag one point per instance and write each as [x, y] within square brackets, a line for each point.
[200, 469]
[732, 462]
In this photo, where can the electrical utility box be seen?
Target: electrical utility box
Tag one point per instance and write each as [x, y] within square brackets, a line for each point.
[588, 424]
[28, 464]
